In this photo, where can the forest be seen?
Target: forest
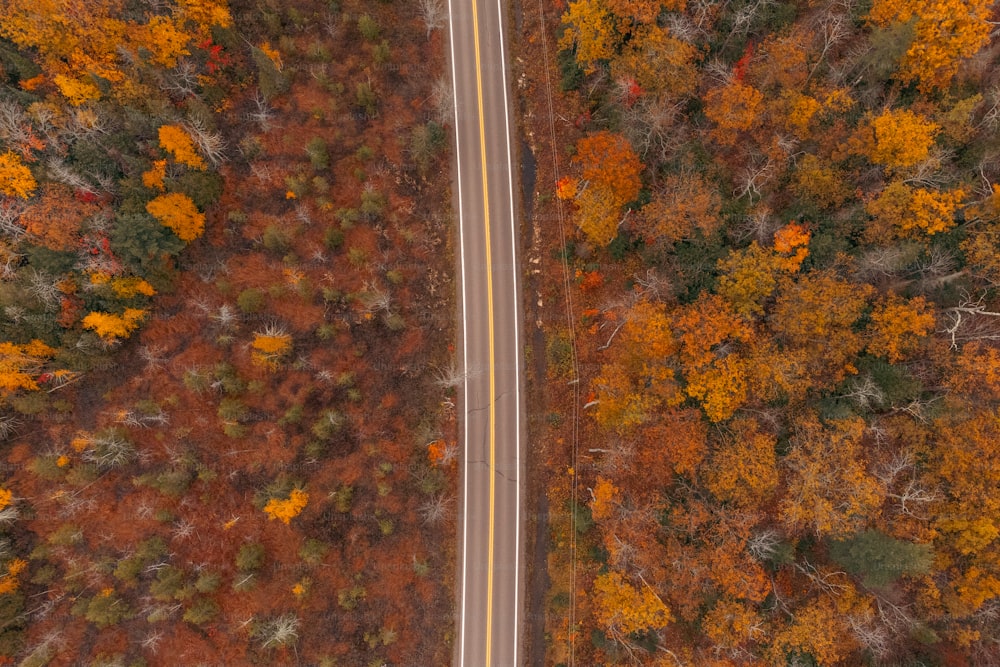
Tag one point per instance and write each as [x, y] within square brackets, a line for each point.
[227, 404]
[766, 235]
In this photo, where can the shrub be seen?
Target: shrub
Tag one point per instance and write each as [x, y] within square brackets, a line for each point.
[250, 557]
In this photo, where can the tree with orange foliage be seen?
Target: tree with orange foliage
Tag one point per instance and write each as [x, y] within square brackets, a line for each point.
[21, 364]
[657, 61]
[905, 212]
[178, 212]
[77, 42]
[828, 490]
[684, 205]
[944, 33]
[638, 380]
[743, 468]
[750, 276]
[270, 346]
[16, 180]
[898, 138]
[591, 32]
[712, 356]
[674, 443]
[818, 629]
[54, 219]
[609, 179]
[604, 497]
[112, 327]
[9, 581]
[815, 313]
[731, 625]
[175, 140]
[289, 508]
[898, 326]
[734, 108]
[622, 608]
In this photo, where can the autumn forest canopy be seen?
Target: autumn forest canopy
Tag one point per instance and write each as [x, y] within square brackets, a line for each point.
[226, 402]
[784, 258]
[768, 415]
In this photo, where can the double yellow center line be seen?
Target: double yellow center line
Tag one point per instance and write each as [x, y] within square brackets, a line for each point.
[489, 309]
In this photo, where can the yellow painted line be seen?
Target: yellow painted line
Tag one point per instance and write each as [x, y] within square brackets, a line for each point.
[489, 310]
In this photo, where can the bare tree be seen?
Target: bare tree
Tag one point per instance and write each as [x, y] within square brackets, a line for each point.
[280, 631]
[443, 99]
[434, 15]
[435, 509]
[970, 320]
[211, 144]
[262, 113]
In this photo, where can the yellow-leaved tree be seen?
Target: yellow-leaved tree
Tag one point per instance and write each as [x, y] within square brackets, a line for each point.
[903, 211]
[20, 364]
[622, 608]
[899, 138]
[175, 140]
[289, 508]
[270, 346]
[944, 32]
[16, 179]
[898, 325]
[112, 327]
[734, 108]
[178, 212]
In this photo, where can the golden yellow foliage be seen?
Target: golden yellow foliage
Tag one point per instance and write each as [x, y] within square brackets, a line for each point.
[9, 583]
[658, 62]
[127, 288]
[611, 176]
[6, 498]
[16, 179]
[622, 608]
[591, 31]
[899, 138]
[287, 509]
[175, 140]
[178, 212]
[945, 32]
[638, 381]
[818, 629]
[153, 177]
[165, 41]
[734, 108]
[206, 13]
[604, 499]
[719, 382]
[821, 184]
[903, 211]
[269, 347]
[898, 326]
[829, 491]
[111, 327]
[19, 364]
[743, 468]
[798, 112]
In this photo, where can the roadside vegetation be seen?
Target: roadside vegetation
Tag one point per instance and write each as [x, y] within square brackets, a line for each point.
[225, 304]
[778, 224]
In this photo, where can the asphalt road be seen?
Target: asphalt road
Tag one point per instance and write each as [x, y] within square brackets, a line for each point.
[489, 531]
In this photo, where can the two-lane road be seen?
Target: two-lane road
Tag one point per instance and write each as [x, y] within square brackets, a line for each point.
[489, 566]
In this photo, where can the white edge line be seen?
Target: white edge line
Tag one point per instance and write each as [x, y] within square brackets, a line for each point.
[517, 333]
[465, 344]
